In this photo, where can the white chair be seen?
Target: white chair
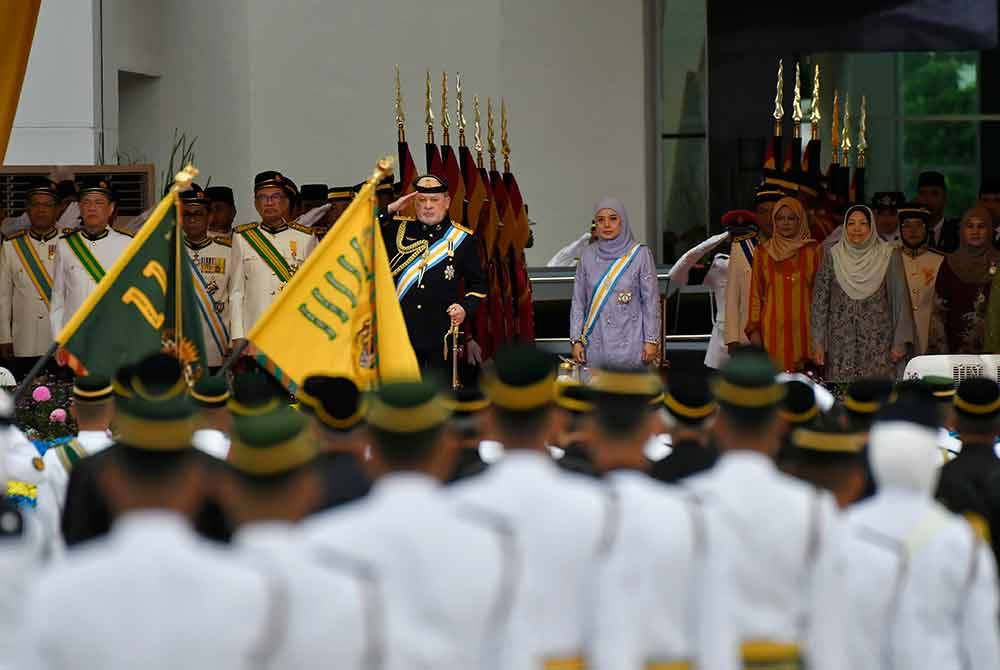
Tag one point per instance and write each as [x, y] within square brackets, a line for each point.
[957, 367]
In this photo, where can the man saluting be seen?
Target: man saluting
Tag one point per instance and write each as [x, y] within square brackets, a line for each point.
[436, 267]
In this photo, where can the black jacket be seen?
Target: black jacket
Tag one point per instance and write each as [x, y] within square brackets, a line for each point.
[457, 279]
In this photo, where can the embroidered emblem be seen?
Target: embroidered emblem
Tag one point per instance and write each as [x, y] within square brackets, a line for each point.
[624, 297]
[449, 272]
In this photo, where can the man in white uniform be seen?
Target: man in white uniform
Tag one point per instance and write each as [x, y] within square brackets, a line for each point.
[741, 263]
[447, 572]
[265, 255]
[210, 257]
[662, 592]
[152, 594]
[921, 265]
[27, 264]
[332, 602]
[774, 530]
[561, 520]
[85, 254]
[93, 409]
[922, 584]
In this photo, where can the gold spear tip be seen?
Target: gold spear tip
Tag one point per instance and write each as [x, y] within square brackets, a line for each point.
[382, 168]
[183, 179]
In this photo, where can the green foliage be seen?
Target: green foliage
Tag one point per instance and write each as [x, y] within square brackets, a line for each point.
[942, 83]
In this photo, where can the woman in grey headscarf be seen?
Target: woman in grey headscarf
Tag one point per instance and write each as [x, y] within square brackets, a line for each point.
[615, 315]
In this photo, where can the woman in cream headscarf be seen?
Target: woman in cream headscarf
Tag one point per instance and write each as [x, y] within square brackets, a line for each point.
[781, 287]
[862, 322]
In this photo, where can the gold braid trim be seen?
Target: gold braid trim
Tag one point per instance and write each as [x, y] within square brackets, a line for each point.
[405, 252]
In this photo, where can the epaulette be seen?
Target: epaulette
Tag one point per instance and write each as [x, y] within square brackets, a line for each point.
[741, 238]
[124, 231]
[223, 241]
[404, 219]
[295, 225]
[462, 228]
[14, 236]
[245, 227]
[66, 232]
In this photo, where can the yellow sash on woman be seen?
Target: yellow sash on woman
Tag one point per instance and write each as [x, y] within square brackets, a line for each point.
[605, 287]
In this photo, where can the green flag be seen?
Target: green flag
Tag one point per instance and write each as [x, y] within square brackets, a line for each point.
[133, 310]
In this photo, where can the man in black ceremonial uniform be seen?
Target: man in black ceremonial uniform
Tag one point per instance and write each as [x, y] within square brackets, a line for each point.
[436, 267]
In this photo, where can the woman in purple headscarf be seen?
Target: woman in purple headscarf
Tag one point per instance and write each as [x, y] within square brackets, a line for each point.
[615, 316]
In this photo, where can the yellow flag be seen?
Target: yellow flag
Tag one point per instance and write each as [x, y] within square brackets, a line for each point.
[19, 18]
[339, 315]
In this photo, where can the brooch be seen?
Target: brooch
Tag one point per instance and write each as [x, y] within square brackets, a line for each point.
[449, 272]
[624, 297]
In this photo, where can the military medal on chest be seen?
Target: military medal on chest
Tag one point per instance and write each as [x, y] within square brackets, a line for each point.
[293, 246]
[449, 270]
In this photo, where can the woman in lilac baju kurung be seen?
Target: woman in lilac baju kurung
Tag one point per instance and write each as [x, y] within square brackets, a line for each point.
[626, 332]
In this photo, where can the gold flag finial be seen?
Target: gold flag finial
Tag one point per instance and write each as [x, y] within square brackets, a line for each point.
[489, 134]
[835, 127]
[779, 98]
[460, 109]
[445, 117]
[815, 115]
[382, 168]
[504, 138]
[183, 179]
[400, 114]
[863, 131]
[428, 110]
[797, 105]
[478, 136]
[845, 133]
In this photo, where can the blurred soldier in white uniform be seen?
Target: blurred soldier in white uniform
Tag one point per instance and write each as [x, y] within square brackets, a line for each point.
[332, 602]
[662, 594]
[152, 594]
[447, 572]
[922, 583]
[562, 521]
[779, 535]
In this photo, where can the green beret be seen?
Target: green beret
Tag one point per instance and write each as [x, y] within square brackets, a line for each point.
[467, 401]
[522, 379]
[867, 396]
[158, 416]
[942, 388]
[978, 398]
[211, 392]
[640, 384]
[272, 443]
[572, 396]
[91, 388]
[336, 402]
[689, 399]
[828, 438]
[747, 381]
[800, 405]
[121, 383]
[253, 393]
[407, 407]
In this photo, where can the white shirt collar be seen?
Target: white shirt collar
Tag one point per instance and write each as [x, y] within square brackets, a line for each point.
[94, 441]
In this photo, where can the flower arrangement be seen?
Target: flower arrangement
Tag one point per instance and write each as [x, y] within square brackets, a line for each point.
[42, 414]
